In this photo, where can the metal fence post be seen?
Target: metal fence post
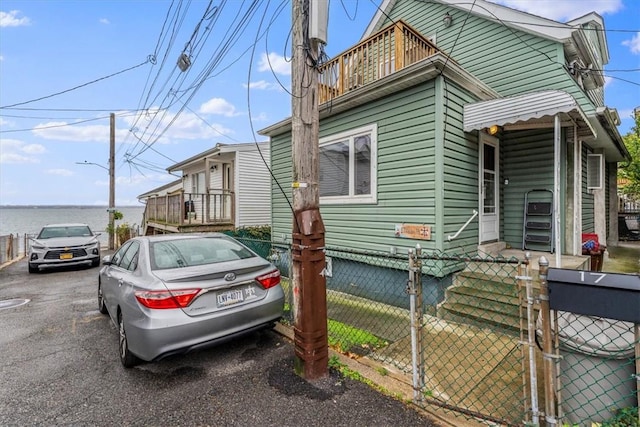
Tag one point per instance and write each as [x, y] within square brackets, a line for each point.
[530, 342]
[414, 288]
[547, 347]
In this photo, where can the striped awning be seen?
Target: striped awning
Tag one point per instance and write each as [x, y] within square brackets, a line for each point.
[527, 111]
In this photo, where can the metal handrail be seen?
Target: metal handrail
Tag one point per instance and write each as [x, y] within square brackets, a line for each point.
[450, 237]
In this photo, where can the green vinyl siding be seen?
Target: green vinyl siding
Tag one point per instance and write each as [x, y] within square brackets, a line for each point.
[588, 218]
[527, 162]
[405, 173]
[460, 173]
[509, 60]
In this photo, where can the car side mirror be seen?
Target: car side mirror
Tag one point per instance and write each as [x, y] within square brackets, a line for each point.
[106, 260]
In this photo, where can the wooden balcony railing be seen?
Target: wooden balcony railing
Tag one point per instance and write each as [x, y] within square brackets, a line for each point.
[215, 207]
[385, 52]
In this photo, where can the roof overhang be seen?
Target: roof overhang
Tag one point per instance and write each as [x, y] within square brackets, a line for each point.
[171, 187]
[528, 111]
[606, 122]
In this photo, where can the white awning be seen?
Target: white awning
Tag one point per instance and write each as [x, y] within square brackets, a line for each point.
[527, 111]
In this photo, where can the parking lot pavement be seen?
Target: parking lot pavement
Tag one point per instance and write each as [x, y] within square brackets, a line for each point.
[60, 366]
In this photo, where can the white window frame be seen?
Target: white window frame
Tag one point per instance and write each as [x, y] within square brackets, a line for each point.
[350, 136]
[595, 171]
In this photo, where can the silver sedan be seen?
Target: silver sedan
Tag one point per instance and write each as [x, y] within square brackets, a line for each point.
[170, 294]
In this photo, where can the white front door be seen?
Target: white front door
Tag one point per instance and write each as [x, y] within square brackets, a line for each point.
[489, 188]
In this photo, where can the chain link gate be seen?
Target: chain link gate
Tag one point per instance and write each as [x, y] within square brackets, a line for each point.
[475, 329]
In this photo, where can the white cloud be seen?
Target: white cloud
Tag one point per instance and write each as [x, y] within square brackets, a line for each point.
[262, 117]
[63, 131]
[1, 58]
[218, 106]
[563, 10]
[34, 149]
[634, 44]
[59, 172]
[4, 122]
[10, 19]
[607, 81]
[104, 21]
[16, 151]
[262, 85]
[186, 126]
[275, 63]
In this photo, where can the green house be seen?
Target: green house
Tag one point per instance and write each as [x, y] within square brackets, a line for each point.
[464, 128]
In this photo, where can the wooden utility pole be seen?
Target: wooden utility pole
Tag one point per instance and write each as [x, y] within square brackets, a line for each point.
[309, 285]
[112, 179]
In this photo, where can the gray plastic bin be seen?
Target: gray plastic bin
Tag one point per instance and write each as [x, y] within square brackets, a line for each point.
[597, 367]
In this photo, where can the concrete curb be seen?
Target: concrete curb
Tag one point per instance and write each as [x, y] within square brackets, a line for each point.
[13, 261]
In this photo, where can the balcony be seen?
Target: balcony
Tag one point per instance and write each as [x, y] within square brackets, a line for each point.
[391, 49]
[190, 212]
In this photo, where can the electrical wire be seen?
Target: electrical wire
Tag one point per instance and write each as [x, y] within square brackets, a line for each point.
[77, 87]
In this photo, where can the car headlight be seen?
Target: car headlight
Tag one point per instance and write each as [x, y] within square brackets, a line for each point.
[38, 247]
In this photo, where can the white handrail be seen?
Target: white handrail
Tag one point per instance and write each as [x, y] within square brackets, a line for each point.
[450, 237]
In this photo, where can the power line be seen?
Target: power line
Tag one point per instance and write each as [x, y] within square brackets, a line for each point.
[77, 87]
[52, 126]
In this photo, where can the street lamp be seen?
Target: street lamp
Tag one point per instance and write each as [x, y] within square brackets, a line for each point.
[112, 191]
[95, 164]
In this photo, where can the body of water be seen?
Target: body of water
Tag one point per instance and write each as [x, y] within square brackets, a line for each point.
[23, 220]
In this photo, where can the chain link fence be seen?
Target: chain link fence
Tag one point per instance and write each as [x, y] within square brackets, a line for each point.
[466, 332]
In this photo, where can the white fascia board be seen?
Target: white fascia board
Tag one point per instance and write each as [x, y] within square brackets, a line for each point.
[513, 18]
[594, 18]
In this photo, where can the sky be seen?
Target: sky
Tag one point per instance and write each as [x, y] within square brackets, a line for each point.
[66, 65]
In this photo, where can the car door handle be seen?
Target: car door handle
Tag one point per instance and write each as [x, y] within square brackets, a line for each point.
[119, 282]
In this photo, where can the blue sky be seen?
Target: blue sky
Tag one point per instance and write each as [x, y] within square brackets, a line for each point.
[78, 61]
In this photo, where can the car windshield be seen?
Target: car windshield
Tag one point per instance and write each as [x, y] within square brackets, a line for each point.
[65, 231]
[190, 252]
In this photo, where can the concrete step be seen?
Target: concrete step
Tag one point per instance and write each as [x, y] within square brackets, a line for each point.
[482, 317]
[479, 298]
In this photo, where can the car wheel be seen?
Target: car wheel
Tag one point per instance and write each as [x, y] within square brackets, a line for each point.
[127, 358]
[33, 269]
[101, 304]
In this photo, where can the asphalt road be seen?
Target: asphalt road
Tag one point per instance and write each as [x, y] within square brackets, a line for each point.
[59, 366]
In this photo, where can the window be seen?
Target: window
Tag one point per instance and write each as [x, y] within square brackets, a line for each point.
[348, 167]
[197, 183]
[594, 172]
[129, 260]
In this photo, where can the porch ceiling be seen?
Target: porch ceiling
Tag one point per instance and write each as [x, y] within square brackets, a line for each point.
[530, 110]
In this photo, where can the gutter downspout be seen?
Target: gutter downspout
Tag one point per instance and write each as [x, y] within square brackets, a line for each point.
[577, 193]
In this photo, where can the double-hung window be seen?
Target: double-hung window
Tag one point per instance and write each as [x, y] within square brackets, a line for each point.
[348, 166]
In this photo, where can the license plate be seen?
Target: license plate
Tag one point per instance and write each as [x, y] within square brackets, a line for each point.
[66, 256]
[230, 297]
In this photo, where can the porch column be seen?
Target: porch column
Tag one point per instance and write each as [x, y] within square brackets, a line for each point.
[600, 208]
[612, 170]
[556, 190]
[573, 225]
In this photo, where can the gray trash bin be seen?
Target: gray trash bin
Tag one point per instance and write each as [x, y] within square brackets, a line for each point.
[597, 367]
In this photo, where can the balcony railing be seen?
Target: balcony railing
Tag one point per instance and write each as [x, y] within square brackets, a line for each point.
[385, 52]
[215, 207]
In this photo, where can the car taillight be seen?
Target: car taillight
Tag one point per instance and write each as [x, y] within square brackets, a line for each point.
[269, 280]
[166, 299]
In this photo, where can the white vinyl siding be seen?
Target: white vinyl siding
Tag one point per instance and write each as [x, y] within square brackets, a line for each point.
[253, 198]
